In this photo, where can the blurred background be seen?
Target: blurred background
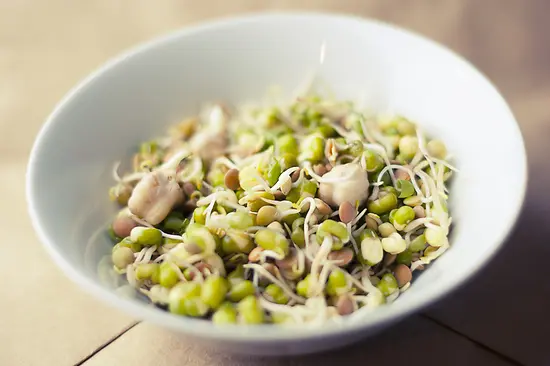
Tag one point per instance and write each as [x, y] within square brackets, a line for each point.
[46, 47]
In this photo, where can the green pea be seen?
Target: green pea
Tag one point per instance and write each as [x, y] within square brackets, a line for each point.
[312, 149]
[146, 235]
[297, 236]
[303, 287]
[226, 314]
[168, 275]
[388, 284]
[418, 244]
[276, 294]
[383, 204]
[122, 257]
[237, 242]
[128, 243]
[199, 215]
[255, 202]
[214, 290]
[336, 229]
[250, 311]
[146, 271]
[287, 144]
[181, 292]
[403, 215]
[404, 258]
[374, 162]
[336, 284]
[239, 220]
[386, 229]
[405, 188]
[240, 289]
[266, 215]
[272, 240]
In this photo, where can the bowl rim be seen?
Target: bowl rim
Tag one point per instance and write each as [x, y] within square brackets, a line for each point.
[262, 333]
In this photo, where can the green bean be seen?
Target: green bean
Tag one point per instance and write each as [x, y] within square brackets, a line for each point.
[236, 275]
[175, 223]
[216, 178]
[250, 311]
[372, 252]
[337, 230]
[435, 236]
[214, 290]
[255, 201]
[239, 220]
[288, 161]
[401, 217]
[237, 242]
[199, 215]
[326, 130]
[312, 149]
[418, 244]
[437, 149]
[146, 236]
[355, 148]
[298, 237]
[287, 144]
[247, 177]
[276, 294]
[181, 292]
[273, 172]
[168, 275]
[272, 240]
[408, 146]
[405, 188]
[337, 283]
[404, 258]
[413, 201]
[128, 243]
[240, 289]
[394, 244]
[303, 287]
[201, 236]
[226, 314]
[374, 162]
[388, 284]
[405, 127]
[383, 204]
[122, 257]
[145, 271]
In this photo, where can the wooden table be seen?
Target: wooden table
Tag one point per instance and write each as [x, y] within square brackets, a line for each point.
[499, 318]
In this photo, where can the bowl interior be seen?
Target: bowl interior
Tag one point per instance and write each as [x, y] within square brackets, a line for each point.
[137, 96]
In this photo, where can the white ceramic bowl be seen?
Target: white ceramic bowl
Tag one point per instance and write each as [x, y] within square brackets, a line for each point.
[139, 94]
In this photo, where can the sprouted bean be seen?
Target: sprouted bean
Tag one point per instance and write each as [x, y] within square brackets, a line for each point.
[300, 214]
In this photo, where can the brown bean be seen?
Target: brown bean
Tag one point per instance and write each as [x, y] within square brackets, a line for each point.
[192, 248]
[322, 207]
[402, 274]
[344, 305]
[389, 259]
[279, 196]
[328, 167]
[401, 174]
[254, 255]
[287, 262]
[319, 169]
[295, 175]
[188, 188]
[419, 212]
[123, 225]
[203, 268]
[343, 256]
[231, 179]
[347, 212]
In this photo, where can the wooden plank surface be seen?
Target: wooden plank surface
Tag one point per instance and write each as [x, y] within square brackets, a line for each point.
[48, 46]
